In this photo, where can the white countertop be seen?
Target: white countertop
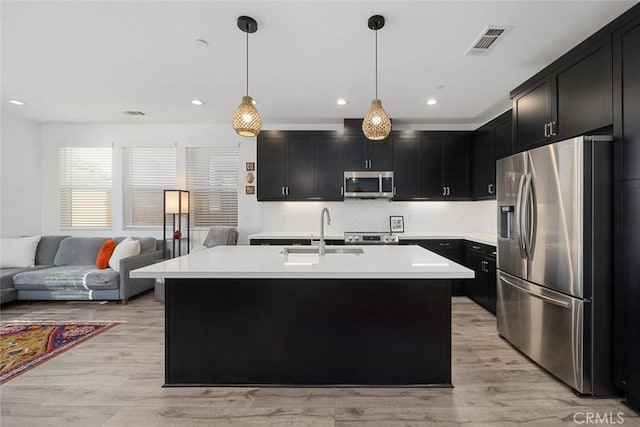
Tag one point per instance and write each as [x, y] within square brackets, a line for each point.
[486, 238]
[377, 262]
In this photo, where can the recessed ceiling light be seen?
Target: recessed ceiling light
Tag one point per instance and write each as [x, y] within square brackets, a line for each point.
[197, 102]
[341, 101]
[15, 102]
[431, 101]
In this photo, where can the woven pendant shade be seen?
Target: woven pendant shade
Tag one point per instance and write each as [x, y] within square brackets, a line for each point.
[376, 124]
[246, 120]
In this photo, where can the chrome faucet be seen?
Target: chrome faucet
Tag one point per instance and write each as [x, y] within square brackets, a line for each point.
[322, 245]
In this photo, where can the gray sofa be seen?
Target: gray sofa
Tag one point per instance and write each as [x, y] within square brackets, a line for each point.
[65, 270]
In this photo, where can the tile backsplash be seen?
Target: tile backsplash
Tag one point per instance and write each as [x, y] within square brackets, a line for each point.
[373, 215]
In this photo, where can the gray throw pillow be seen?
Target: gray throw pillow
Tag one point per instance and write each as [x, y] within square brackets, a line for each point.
[47, 249]
[79, 250]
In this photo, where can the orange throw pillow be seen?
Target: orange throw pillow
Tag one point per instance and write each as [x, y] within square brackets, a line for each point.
[102, 260]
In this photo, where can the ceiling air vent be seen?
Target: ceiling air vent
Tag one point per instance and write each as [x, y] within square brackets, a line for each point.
[486, 40]
[134, 113]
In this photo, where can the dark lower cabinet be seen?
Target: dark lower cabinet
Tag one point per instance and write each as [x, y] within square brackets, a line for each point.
[627, 289]
[448, 248]
[482, 260]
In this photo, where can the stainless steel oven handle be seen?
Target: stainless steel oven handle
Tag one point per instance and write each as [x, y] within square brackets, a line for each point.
[550, 300]
[518, 218]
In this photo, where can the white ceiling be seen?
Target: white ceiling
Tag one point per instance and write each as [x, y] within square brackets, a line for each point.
[85, 62]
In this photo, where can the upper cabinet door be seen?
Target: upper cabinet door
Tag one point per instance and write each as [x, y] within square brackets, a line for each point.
[626, 78]
[356, 155]
[504, 136]
[456, 165]
[330, 166]
[301, 166]
[272, 166]
[532, 114]
[484, 163]
[406, 165]
[431, 186]
[583, 92]
[380, 154]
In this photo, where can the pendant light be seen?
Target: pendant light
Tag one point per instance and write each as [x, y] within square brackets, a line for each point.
[246, 120]
[376, 124]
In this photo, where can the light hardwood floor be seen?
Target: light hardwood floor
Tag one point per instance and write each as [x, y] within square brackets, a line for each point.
[115, 379]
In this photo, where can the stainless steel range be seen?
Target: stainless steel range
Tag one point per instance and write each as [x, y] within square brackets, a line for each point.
[370, 238]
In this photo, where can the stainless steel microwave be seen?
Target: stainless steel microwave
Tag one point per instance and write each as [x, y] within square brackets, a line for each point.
[368, 184]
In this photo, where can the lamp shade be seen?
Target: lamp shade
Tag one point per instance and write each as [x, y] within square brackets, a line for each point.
[172, 204]
[246, 120]
[376, 124]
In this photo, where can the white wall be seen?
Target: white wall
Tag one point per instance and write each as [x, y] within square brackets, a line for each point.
[354, 215]
[20, 177]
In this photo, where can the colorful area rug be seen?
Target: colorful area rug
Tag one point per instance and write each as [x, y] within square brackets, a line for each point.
[24, 345]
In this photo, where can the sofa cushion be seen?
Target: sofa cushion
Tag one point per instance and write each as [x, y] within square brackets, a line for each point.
[78, 251]
[68, 277]
[6, 275]
[104, 254]
[147, 244]
[47, 249]
[18, 252]
[125, 249]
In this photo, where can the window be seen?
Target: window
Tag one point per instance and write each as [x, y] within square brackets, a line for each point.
[85, 187]
[212, 178]
[147, 172]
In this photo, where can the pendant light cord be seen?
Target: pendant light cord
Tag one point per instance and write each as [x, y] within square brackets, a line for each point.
[376, 64]
[247, 50]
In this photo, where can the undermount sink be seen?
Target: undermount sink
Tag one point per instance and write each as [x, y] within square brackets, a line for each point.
[315, 250]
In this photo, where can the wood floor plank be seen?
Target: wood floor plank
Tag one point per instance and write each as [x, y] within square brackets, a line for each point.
[115, 379]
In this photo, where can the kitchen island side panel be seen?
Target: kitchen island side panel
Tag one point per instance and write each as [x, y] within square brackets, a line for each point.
[323, 332]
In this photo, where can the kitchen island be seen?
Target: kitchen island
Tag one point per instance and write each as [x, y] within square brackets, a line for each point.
[255, 315]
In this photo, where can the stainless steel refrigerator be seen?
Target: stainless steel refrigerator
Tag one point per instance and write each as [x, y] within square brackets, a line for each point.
[554, 282]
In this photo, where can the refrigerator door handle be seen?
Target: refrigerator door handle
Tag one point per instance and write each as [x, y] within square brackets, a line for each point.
[519, 212]
[533, 213]
[527, 217]
[550, 300]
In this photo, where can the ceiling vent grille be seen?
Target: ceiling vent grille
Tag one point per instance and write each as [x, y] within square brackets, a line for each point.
[134, 113]
[486, 40]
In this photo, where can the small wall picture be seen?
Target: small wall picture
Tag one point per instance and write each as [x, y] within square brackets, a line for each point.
[249, 189]
[251, 166]
[396, 224]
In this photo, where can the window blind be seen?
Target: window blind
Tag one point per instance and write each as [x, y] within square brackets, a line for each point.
[212, 178]
[147, 171]
[85, 187]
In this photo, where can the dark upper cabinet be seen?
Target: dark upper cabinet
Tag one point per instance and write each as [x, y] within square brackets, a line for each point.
[329, 166]
[299, 165]
[430, 177]
[532, 115]
[503, 134]
[363, 154]
[455, 165]
[489, 143]
[272, 165]
[571, 99]
[484, 164]
[406, 165]
[626, 101]
[431, 165]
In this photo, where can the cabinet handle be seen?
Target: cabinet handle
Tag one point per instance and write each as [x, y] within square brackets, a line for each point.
[448, 191]
[490, 188]
[287, 191]
[546, 130]
[366, 164]
[370, 164]
[444, 191]
[394, 190]
[553, 128]
[445, 244]
[283, 191]
[476, 248]
[342, 191]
